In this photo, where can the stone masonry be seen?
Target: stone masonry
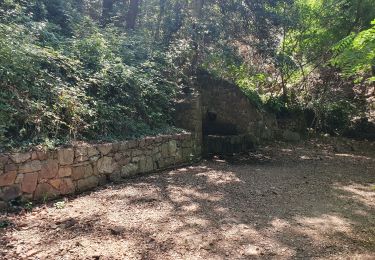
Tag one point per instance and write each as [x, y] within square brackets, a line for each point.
[38, 175]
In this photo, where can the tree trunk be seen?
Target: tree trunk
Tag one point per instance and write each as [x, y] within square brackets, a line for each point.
[160, 18]
[178, 11]
[107, 11]
[197, 9]
[197, 12]
[132, 14]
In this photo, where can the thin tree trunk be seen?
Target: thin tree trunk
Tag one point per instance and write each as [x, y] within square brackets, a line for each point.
[160, 18]
[283, 83]
[178, 20]
[197, 13]
[131, 17]
[107, 11]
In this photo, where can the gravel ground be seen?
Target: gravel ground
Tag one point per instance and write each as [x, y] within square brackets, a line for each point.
[285, 202]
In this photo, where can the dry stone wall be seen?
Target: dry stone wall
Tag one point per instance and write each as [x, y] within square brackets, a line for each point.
[47, 174]
[227, 111]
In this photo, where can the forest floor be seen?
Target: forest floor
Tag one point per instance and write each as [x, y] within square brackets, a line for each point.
[309, 200]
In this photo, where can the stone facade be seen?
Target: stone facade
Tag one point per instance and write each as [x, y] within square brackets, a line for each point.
[227, 111]
[47, 174]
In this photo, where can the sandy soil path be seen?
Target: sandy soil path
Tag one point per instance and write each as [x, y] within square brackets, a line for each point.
[285, 202]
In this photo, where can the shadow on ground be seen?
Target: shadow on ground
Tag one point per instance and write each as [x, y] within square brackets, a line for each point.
[297, 203]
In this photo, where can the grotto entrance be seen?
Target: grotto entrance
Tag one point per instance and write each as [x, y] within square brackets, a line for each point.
[223, 138]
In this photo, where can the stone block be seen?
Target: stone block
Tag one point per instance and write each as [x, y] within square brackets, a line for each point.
[67, 186]
[172, 147]
[291, 136]
[149, 140]
[116, 147]
[80, 154]
[129, 170]
[8, 178]
[49, 169]
[3, 160]
[123, 146]
[157, 156]
[34, 156]
[20, 157]
[168, 162]
[65, 172]
[119, 157]
[187, 154]
[29, 182]
[45, 191]
[39, 155]
[178, 156]
[94, 158]
[186, 144]
[42, 155]
[3, 205]
[141, 143]
[165, 150]
[155, 150]
[64, 186]
[65, 156]
[10, 167]
[123, 161]
[19, 178]
[32, 166]
[106, 165]
[92, 151]
[10, 193]
[87, 183]
[136, 153]
[146, 164]
[105, 148]
[132, 144]
[82, 171]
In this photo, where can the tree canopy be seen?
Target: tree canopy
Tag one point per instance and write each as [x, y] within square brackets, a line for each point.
[103, 69]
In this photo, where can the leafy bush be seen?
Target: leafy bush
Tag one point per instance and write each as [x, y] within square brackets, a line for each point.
[54, 90]
[355, 54]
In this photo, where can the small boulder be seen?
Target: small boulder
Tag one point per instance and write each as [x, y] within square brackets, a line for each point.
[3, 205]
[10, 193]
[290, 136]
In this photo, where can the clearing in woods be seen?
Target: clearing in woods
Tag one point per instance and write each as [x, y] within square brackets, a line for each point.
[285, 201]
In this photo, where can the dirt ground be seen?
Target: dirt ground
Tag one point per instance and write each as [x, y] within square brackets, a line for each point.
[310, 200]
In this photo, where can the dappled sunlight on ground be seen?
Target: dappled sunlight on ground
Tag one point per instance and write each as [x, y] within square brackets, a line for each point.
[298, 205]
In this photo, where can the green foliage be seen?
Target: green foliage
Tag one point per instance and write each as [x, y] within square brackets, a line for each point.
[4, 224]
[74, 69]
[99, 85]
[333, 117]
[59, 205]
[355, 54]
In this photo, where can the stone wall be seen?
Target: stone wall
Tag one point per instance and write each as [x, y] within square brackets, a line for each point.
[188, 115]
[39, 175]
[225, 107]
